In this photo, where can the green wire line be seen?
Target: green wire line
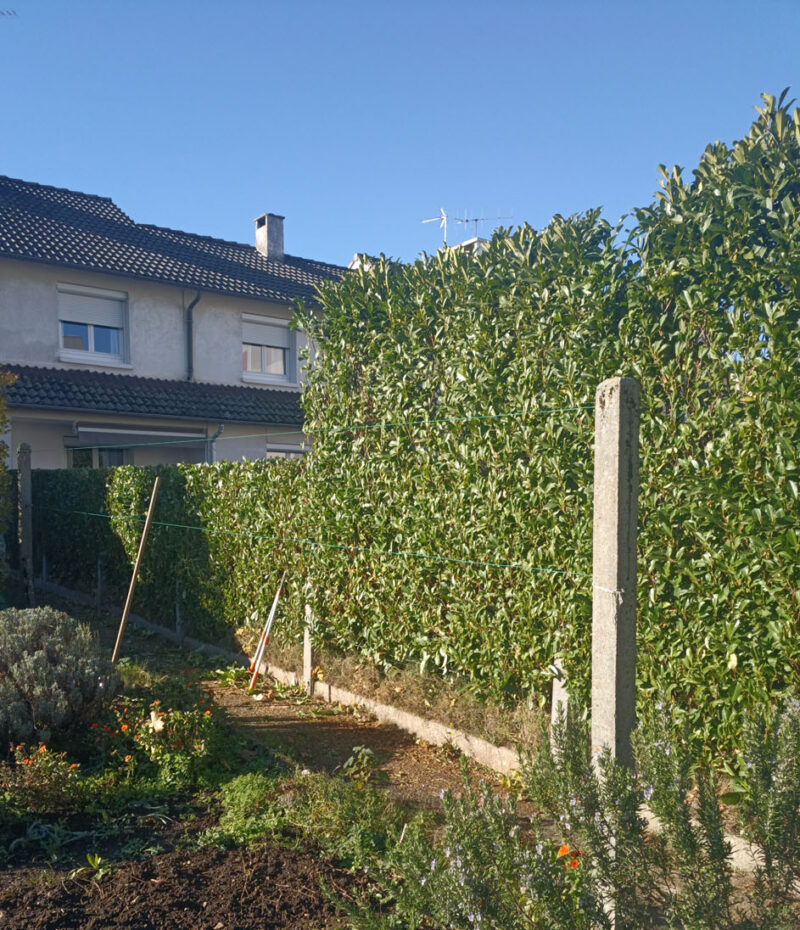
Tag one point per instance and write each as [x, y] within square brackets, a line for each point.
[296, 540]
[336, 429]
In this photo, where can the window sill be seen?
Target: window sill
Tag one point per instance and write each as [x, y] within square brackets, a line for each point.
[253, 377]
[76, 356]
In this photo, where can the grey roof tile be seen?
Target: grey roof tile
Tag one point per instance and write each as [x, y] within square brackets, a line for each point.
[100, 392]
[77, 230]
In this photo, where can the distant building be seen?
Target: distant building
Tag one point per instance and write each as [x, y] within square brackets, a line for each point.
[139, 344]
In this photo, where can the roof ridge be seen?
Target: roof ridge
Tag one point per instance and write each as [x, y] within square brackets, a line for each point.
[243, 245]
[89, 232]
[65, 190]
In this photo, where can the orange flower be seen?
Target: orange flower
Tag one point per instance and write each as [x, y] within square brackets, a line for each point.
[124, 727]
[73, 766]
[207, 713]
[562, 851]
[128, 758]
[43, 748]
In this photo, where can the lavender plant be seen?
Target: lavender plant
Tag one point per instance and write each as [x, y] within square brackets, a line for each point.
[52, 676]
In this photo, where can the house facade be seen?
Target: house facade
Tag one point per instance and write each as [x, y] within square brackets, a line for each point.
[137, 344]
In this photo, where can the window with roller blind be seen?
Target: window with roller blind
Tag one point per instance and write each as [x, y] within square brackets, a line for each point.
[92, 325]
[268, 350]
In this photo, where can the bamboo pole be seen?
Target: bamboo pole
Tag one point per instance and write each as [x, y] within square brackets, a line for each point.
[132, 586]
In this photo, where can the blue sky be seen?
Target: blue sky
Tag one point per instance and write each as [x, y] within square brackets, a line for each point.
[357, 120]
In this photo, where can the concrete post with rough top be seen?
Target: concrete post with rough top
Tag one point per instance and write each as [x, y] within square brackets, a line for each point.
[616, 491]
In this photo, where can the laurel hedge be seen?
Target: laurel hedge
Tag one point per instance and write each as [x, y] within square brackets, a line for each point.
[221, 538]
[698, 298]
[457, 535]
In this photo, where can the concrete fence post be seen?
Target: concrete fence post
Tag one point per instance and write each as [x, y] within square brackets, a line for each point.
[616, 490]
[309, 657]
[25, 526]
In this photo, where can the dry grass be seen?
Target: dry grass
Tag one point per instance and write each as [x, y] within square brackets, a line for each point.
[426, 695]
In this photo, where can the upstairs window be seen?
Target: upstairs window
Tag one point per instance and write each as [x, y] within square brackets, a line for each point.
[92, 325]
[268, 350]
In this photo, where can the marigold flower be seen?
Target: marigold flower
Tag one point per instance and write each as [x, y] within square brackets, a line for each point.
[73, 766]
[573, 864]
[43, 748]
[124, 727]
[562, 851]
[128, 758]
[207, 713]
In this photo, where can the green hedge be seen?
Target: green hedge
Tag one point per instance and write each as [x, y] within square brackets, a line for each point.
[231, 538]
[699, 301]
[485, 367]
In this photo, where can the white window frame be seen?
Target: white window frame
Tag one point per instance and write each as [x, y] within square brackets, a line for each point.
[290, 377]
[90, 319]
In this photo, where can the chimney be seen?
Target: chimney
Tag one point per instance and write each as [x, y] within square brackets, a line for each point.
[269, 236]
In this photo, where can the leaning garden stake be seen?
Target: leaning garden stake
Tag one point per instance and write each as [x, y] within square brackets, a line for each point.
[132, 587]
[616, 489]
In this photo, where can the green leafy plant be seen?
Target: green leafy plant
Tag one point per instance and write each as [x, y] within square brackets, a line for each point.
[53, 679]
[484, 369]
[359, 765]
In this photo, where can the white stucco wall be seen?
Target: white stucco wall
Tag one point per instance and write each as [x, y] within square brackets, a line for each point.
[29, 329]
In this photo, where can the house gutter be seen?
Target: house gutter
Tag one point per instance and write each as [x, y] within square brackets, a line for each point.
[190, 338]
[211, 454]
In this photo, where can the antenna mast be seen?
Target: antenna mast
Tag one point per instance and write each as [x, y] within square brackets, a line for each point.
[442, 221]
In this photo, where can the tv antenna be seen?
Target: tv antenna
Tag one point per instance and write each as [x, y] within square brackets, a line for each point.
[442, 221]
[479, 219]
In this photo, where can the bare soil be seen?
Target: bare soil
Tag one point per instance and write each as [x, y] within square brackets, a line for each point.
[322, 736]
[200, 889]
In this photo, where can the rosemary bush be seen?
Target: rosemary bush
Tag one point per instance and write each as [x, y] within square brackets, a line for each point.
[770, 808]
[479, 874]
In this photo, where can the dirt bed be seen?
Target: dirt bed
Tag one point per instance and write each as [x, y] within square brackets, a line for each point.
[201, 889]
[322, 736]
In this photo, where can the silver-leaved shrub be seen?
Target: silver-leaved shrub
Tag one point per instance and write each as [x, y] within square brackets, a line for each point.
[53, 678]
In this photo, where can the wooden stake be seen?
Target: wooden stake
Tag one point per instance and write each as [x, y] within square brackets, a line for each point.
[129, 600]
[262, 644]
